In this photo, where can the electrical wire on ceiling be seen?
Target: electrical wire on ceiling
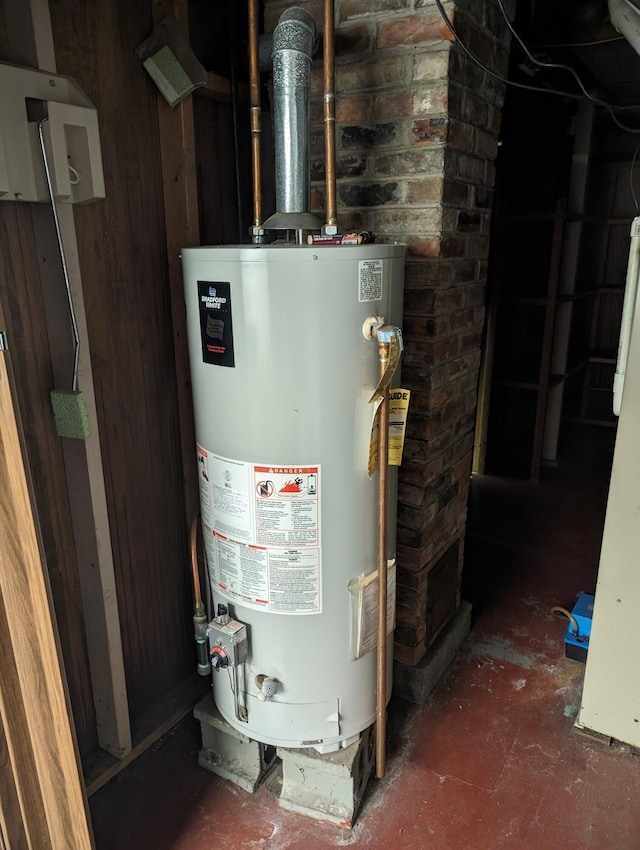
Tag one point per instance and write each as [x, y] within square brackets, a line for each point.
[514, 84]
[574, 44]
[561, 66]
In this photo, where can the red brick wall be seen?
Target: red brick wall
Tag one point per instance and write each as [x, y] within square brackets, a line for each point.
[416, 130]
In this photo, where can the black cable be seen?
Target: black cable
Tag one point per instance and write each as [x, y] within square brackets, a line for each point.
[578, 43]
[513, 83]
[633, 193]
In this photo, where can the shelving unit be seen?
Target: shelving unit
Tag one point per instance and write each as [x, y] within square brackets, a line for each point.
[556, 288]
[524, 277]
[567, 359]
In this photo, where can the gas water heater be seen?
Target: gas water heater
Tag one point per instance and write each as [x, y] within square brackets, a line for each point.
[282, 380]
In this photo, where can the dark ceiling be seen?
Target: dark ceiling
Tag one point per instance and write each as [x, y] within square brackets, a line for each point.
[579, 33]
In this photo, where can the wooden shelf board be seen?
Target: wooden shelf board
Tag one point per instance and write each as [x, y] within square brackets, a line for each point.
[604, 423]
[603, 357]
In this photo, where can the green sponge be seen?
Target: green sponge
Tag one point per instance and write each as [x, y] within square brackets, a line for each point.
[70, 411]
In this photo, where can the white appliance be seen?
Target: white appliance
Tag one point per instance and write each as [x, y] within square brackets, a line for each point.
[282, 380]
[611, 695]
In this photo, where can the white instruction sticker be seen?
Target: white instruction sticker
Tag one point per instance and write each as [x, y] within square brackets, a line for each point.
[242, 571]
[231, 498]
[262, 533]
[294, 581]
[369, 280]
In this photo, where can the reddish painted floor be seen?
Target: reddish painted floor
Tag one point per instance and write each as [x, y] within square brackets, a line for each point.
[491, 760]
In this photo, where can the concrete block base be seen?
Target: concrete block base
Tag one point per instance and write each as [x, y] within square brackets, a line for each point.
[416, 683]
[325, 786]
[230, 754]
[329, 786]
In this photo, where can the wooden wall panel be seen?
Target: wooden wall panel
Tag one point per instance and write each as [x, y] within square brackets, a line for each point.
[124, 266]
[21, 302]
[216, 173]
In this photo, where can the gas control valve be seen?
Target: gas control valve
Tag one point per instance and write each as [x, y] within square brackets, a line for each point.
[228, 642]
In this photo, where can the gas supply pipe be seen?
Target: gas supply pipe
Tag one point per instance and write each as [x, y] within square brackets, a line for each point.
[199, 613]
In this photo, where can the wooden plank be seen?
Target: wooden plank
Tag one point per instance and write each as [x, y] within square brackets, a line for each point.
[85, 478]
[182, 225]
[11, 821]
[99, 768]
[33, 702]
[547, 342]
[33, 39]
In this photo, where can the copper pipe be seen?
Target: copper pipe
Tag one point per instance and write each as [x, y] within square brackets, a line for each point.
[329, 111]
[256, 113]
[198, 606]
[381, 666]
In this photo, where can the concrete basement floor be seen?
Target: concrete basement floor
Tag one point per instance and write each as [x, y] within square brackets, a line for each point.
[491, 760]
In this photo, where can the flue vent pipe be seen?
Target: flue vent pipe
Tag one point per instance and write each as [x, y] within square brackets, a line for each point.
[293, 42]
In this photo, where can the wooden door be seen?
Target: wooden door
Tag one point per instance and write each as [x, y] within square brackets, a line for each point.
[42, 800]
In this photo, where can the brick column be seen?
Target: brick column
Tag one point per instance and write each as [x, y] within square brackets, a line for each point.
[416, 130]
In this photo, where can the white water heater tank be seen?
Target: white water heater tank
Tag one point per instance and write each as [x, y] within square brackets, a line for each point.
[282, 379]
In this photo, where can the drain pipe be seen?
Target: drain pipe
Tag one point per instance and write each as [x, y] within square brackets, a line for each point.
[199, 613]
[256, 231]
[331, 226]
[628, 309]
[293, 42]
[625, 18]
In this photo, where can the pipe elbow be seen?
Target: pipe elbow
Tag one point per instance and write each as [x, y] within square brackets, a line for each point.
[296, 30]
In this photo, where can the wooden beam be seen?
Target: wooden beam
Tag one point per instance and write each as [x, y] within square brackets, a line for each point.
[484, 392]
[182, 222]
[31, 42]
[34, 710]
[219, 88]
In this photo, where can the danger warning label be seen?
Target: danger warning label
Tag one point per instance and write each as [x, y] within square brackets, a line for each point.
[262, 529]
[287, 505]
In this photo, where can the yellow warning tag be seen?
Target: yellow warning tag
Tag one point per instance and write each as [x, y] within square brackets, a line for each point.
[398, 412]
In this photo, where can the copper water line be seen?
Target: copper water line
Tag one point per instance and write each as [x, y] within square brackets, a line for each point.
[329, 111]
[198, 606]
[381, 665]
[256, 114]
